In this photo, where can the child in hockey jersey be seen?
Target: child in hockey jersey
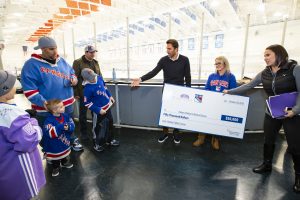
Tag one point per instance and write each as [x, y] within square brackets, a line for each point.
[57, 129]
[21, 169]
[98, 99]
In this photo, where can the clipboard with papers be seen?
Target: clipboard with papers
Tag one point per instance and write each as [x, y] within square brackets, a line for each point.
[279, 103]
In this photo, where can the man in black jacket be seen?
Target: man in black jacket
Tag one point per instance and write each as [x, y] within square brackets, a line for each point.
[86, 61]
[176, 70]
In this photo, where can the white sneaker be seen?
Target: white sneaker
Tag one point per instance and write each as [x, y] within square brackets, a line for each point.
[76, 146]
[98, 148]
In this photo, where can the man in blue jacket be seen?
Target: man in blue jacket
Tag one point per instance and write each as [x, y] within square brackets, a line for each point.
[48, 76]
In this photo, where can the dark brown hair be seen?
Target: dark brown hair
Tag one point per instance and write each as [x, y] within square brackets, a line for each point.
[281, 54]
[173, 42]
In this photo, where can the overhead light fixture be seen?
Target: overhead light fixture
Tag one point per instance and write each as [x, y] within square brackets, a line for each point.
[214, 4]
[261, 7]
[285, 16]
[14, 29]
[58, 31]
[18, 14]
[21, 2]
[12, 25]
[277, 14]
[69, 25]
[82, 18]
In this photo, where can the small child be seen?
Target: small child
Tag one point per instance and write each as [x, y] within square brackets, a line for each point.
[21, 169]
[98, 99]
[57, 129]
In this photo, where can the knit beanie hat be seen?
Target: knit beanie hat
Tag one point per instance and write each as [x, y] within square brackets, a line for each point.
[7, 82]
[88, 74]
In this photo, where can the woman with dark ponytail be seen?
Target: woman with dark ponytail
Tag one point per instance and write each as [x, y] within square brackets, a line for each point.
[281, 75]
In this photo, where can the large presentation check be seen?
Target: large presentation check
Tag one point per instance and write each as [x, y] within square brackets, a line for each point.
[203, 111]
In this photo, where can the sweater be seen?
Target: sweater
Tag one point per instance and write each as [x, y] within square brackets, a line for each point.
[176, 72]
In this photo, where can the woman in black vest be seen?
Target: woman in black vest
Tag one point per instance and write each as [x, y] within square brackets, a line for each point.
[281, 75]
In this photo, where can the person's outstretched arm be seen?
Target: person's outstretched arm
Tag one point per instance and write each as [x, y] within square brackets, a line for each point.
[244, 88]
[136, 81]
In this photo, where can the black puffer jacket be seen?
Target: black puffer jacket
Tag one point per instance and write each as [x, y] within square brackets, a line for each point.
[281, 82]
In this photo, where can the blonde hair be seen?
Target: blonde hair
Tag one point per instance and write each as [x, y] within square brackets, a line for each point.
[52, 104]
[224, 60]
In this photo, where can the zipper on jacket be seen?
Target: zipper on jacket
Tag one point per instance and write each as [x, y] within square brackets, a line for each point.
[273, 81]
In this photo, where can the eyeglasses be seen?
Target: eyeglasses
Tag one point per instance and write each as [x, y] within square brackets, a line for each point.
[218, 63]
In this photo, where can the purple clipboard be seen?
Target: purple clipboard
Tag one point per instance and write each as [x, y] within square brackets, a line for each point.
[277, 104]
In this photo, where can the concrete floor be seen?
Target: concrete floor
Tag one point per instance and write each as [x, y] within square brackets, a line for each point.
[143, 169]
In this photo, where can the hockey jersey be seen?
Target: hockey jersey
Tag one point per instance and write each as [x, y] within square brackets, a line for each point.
[96, 95]
[57, 133]
[42, 81]
[218, 83]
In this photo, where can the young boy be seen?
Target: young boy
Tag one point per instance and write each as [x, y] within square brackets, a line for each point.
[57, 129]
[21, 168]
[98, 99]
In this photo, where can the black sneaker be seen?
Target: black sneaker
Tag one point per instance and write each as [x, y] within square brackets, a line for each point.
[98, 148]
[55, 172]
[67, 165]
[163, 138]
[176, 140]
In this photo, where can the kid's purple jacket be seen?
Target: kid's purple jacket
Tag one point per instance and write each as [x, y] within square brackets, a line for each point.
[21, 170]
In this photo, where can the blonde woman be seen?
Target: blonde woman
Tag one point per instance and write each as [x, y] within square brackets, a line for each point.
[220, 80]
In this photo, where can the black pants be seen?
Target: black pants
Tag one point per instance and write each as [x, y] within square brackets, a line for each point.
[291, 128]
[166, 131]
[99, 121]
[56, 163]
[82, 117]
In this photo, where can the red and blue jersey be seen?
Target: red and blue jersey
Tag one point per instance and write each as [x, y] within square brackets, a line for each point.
[96, 95]
[218, 83]
[42, 81]
[56, 140]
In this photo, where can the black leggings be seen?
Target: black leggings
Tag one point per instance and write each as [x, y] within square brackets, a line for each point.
[291, 128]
[56, 163]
